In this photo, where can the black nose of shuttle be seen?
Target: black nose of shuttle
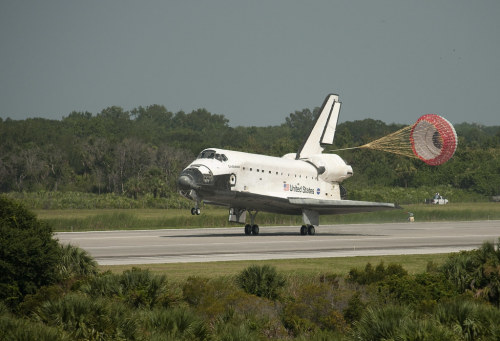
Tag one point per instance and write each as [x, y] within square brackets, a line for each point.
[186, 181]
[190, 178]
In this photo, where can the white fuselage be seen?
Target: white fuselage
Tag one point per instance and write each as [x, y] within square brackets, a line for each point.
[276, 177]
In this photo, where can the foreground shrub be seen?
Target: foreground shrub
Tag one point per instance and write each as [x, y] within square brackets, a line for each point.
[231, 312]
[28, 254]
[476, 271]
[85, 318]
[12, 328]
[470, 320]
[231, 332]
[422, 291]
[371, 275]
[382, 323]
[355, 308]
[178, 323]
[138, 288]
[315, 307]
[76, 262]
[262, 281]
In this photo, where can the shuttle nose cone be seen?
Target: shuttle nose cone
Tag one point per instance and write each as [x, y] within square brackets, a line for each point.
[186, 182]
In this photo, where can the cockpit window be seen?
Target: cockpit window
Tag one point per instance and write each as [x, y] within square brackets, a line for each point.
[221, 157]
[207, 154]
[211, 154]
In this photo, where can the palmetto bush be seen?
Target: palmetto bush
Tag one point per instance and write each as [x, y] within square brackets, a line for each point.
[262, 281]
[86, 318]
[476, 271]
[103, 285]
[76, 262]
[469, 320]
[12, 328]
[138, 288]
[383, 323]
[179, 323]
[142, 288]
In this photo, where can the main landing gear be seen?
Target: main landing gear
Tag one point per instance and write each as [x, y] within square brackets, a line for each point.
[195, 211]
[307, 230]
[252, 228]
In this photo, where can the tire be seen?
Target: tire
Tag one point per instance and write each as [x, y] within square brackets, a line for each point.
[303, 230]
[248, 229]
[255, 230]
[311, 230]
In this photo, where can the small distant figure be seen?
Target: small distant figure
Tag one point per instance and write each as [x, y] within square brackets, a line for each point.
[411, 218]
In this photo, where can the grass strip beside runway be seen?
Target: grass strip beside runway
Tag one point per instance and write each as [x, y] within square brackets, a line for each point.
[132, 219]
[178, 272]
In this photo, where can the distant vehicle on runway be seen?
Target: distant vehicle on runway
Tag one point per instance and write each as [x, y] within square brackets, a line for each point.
[437, 200]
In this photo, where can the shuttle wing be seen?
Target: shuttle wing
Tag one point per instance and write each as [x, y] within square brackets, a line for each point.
[252, 201]
[340, 206]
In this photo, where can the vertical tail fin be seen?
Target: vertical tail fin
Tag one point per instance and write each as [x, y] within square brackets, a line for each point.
[323, 131]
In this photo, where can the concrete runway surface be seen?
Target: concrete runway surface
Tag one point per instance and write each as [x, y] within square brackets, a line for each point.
[285, 242]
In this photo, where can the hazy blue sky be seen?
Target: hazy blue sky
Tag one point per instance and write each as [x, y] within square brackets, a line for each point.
[253, 61]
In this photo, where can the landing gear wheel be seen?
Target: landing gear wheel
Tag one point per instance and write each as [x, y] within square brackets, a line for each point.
[311, 230]
[193, 211]
[197, 211]
[255, 230]
[248, 229]
[303, 230]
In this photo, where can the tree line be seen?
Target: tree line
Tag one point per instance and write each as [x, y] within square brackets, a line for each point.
[142, 151]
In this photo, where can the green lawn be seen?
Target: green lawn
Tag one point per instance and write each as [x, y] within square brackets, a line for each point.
[114, 219]
[292, 267]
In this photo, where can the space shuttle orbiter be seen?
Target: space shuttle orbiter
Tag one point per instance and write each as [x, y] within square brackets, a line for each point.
[305, 183]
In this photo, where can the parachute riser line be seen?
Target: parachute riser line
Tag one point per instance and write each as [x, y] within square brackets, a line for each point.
[431, 139]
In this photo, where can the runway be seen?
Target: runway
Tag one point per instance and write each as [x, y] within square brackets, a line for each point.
[284, 242]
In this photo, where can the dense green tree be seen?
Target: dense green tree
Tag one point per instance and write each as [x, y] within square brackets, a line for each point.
[29, 256]
[301, 123]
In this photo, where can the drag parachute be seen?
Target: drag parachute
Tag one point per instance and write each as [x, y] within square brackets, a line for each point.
[431, 139]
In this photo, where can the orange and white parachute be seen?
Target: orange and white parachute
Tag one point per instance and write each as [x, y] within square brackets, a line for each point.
[431, 139]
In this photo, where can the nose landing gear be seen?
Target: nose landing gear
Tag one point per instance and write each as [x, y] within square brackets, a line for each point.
[196, 209]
